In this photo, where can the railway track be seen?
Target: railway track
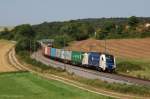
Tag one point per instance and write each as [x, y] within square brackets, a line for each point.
[13, 60]
[91, 74]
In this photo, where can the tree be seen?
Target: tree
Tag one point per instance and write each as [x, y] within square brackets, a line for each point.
[133, 21]
[23, 31]
[61, 41]
[108, 28]
[6, 34]
[26, 44]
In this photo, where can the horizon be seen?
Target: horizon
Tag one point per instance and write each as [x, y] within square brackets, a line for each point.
[69, 20]
[32, 12]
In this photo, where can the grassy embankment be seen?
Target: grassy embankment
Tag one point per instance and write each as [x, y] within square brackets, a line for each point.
[134, 67]
[122, 88]
[29, 86]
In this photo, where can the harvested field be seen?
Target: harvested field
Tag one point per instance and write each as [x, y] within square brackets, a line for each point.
[5, 66]
[127, 48]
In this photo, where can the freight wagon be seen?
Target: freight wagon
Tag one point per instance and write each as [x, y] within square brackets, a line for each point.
[99, 61]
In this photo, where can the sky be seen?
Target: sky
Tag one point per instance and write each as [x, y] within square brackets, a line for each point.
[15, 12]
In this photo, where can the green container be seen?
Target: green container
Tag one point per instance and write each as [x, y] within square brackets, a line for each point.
[76, 57]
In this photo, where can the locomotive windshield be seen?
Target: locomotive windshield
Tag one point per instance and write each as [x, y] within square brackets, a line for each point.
[109, 59]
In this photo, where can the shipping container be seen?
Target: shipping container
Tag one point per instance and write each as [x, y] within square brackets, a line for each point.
[76, 57]
[47, 51]
[67, 55]
[58, 53]
[43, 50]
[94, 59]
[62, 54]
[85, 59]
[53, 52]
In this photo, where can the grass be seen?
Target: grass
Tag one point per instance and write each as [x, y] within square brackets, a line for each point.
[29, 86]
[122, 88]
[134, 67]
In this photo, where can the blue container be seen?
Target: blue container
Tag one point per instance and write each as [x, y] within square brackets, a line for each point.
[53, 52]
[94, 59]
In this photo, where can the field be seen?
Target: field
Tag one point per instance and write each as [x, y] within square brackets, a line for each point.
[122, 48]
[129, 53]
[9, 27]
[29, 86]
[5, 46]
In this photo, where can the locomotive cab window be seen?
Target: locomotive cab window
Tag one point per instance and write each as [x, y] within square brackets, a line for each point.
[102, 59]
[109, 59]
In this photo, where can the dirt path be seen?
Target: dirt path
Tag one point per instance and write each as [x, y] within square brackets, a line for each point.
[5, 66]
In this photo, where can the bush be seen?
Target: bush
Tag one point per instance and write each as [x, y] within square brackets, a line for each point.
[61, 41]
[6, 34]
[126, 66]
[26, 44]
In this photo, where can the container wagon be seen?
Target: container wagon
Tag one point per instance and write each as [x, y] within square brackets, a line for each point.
[99, 61]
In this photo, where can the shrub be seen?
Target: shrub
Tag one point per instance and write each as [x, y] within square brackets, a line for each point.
[126, 66]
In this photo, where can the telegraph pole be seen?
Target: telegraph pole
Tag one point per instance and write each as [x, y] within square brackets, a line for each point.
[30, 47]
[35, 49]
[105, 44]
[64, 53]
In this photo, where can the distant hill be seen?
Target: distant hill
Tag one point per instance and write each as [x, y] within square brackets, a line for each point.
[111, 28]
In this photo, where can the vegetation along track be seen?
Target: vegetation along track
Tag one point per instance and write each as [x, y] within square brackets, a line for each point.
[91, 74]
[16, 63]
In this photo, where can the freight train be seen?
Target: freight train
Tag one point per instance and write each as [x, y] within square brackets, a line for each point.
[98, 61]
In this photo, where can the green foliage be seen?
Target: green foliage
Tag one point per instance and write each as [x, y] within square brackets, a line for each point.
[25, 56]
[123, 88]
[61, 41]
[77, 30]
[126, 66]
[145, 34]
[133, 21]
[26, 44]
[6, 34]
[23, 31]
[25, 36]
[107, 30]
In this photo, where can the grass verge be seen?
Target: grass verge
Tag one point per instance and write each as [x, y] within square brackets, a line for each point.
[29, 86]
[134, 67]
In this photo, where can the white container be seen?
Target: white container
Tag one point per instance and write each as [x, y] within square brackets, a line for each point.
[58, 53]
[67, 55]
[85, 59]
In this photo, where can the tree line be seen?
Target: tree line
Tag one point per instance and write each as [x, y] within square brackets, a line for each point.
[75, 30]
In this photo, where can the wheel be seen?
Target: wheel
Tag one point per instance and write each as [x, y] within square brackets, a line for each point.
[99, 69]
